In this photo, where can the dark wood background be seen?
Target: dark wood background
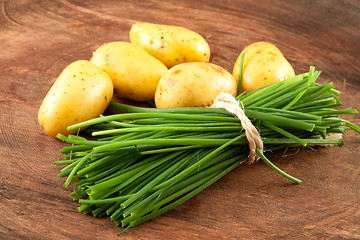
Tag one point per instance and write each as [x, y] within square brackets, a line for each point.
[38, 39]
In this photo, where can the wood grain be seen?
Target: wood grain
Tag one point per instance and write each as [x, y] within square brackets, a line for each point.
[38, 39]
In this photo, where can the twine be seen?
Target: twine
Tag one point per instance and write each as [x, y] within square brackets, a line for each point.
[229, 103]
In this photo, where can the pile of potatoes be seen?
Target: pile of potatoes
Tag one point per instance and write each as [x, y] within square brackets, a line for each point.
[165, 64]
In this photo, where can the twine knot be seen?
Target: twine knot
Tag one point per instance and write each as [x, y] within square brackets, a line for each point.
[229, 103]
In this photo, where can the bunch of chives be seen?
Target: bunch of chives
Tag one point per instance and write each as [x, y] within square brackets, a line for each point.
[146, 161]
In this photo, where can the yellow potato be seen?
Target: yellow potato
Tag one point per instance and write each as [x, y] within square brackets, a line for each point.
[263, 64]
[134, 72]
[172, 45]
[81, 92]
[193, 84]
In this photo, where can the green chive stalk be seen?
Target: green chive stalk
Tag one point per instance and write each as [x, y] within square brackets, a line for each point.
[146, 161]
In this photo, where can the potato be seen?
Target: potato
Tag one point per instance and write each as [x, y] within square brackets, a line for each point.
[193, 84]
[134, 72]
[263, 64]
[172, 45]
[81, 92]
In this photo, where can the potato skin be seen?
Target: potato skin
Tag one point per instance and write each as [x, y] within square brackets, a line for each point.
[81, 92]
[263, 64]
[134, 72]
[172, 45]
[193, 84]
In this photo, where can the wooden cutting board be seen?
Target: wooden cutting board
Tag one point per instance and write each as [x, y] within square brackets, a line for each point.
[38, 39]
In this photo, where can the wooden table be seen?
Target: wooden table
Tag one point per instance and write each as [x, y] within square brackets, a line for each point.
[38, 39]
